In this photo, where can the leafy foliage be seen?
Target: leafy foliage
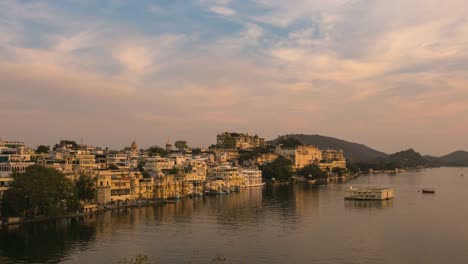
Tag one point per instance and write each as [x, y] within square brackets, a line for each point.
[312, 171]
[228, 142]
[196, 151]
[86, 188]
[245, 155]
[157, 151]
[289, 142]
[280, 169]
[42, 149]
[40, 191]
[181, 144]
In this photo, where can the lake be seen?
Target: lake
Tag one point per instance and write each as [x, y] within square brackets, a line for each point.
[284, 224]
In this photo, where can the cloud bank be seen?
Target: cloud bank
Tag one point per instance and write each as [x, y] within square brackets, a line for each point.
[388, 74]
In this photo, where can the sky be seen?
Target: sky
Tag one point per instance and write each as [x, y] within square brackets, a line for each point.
[389, 74]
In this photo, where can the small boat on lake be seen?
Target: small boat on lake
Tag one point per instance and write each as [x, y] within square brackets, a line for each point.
[428, 190]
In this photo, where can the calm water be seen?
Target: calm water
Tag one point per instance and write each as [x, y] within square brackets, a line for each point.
[287, 224]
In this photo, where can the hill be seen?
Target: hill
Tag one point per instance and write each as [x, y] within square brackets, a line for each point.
[354, 152]
[457, 158]
[404, 159]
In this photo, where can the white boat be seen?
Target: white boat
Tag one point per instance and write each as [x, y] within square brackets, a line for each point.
[255, 185]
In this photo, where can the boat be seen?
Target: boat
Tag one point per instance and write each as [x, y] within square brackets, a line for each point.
[255, 185]
[428, 190]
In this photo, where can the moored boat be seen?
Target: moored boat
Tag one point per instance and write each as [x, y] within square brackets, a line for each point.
[428, 190]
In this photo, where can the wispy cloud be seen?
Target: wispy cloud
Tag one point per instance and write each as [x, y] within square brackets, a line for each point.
[310, 64]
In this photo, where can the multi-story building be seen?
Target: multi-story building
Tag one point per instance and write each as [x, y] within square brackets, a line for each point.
[301, 156]
[242, 141]
[228, 174]
[120, 160]
[252, 177]
[159, 163]
[332, 158]
[14, 157]
[123, 186]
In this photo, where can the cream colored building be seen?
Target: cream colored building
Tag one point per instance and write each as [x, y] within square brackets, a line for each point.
[228, 174]
[301, 156]
[243, 141]
[252, 177]
[159, 163]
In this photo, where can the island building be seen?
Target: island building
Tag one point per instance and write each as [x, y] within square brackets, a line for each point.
[368, 193]
[242, 141]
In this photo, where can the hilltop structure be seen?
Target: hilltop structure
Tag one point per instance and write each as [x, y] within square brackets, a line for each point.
[239, 140]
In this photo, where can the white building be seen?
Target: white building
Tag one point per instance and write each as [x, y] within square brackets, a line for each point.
[252, 177]
[159, 164]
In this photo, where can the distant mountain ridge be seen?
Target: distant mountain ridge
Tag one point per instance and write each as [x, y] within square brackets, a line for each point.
[457, 158]
[354, 152]
[359, 153]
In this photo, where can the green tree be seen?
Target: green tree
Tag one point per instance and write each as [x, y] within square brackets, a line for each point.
[229, 142]
[181, 144]
[156, 151]
[86, 187]
[280, 169]
[289, 142]
[312, 171]
[45, 191]
[42, 149]
[14, 203]
[196, 151]
[339, 171]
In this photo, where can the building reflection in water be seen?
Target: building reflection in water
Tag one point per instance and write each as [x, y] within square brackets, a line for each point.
[369, 204]
[244, 212]
[45, 241]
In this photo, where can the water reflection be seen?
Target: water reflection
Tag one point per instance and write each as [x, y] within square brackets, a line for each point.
[278, 224]
[44, 242]
[363, 204]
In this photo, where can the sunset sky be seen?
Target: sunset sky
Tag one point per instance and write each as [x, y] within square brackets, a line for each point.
[388, 74]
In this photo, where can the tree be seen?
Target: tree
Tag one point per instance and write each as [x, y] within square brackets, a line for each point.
[181, 144]
[311, 171]
[228, 142]
[339, 171]
[86, 187]
[42, 149]
[289, 142]
[155, 151]
[280, 169]
[41, 191]
[196, 151]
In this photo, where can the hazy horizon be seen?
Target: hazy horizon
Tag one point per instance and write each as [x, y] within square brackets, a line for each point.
[389, 75]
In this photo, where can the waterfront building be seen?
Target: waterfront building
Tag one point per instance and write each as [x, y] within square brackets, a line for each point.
[301, 156]
[252, 177]
[332, 158]
[242, 141]
[167, 186]
[228, 174]
[122, 186]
